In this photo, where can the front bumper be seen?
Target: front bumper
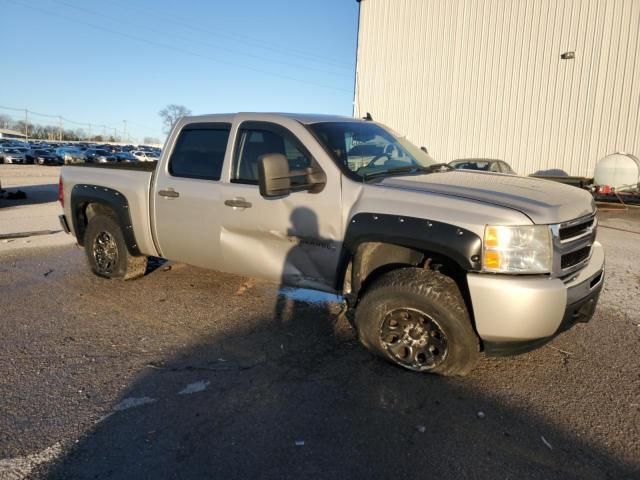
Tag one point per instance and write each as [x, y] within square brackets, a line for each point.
[515, 314]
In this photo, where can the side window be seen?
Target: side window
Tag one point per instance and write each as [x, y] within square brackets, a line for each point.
[254, 143]
[199, 153]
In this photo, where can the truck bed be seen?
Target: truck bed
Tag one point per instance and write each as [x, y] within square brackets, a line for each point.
[131, 180]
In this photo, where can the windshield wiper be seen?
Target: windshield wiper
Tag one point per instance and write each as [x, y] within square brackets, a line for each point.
[404, 169]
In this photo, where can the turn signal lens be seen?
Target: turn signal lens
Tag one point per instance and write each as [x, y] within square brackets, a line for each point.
[492, 260]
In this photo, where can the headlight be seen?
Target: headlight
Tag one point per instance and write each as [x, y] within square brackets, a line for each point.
[521, 249]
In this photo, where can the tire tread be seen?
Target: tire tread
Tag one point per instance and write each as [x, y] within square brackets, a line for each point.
[436, 288]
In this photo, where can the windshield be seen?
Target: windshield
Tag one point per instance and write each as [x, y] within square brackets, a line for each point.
[366, 148]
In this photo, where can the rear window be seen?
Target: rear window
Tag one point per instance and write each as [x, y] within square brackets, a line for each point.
[199, 152]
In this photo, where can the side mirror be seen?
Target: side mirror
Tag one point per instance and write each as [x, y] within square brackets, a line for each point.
[273, 175]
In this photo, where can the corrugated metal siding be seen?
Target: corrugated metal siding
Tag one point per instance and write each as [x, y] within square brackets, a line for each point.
[484, 78]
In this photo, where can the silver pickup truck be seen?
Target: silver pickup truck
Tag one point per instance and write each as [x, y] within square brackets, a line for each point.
[436, 265]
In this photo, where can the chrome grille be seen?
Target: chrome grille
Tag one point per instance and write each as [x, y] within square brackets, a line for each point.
[573, 258]
[575, 231]
[572, 242]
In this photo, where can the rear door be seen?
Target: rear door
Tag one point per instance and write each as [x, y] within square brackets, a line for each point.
[294, 239]
[187, 196]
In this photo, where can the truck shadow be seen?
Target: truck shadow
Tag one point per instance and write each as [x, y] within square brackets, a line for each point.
[297, 397]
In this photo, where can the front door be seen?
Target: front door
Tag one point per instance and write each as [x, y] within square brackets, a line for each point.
[295, 239]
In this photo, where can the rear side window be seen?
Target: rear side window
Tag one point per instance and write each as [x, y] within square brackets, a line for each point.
[199, 152]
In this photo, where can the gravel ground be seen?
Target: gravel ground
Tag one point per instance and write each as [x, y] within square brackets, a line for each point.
[188, 373]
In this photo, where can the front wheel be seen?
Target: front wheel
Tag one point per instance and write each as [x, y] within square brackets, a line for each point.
[417, 319]
[107, 252]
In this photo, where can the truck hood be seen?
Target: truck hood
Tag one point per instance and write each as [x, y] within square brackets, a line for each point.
[543, 201]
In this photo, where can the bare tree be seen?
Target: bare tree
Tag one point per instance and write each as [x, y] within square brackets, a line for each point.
[151, 141]
[171, 114]
[5, 121]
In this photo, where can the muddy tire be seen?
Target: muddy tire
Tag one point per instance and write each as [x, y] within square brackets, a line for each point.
[107, 252]
[417, 319]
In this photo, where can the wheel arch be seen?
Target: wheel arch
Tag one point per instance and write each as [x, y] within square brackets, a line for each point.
[90, 200]
[377, 243]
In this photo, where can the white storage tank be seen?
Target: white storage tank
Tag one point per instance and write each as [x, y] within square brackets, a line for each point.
[619, 170]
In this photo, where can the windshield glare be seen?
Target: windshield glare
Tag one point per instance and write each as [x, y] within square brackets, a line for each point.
[367, 148]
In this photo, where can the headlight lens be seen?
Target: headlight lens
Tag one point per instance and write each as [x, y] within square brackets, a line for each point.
[517, 249]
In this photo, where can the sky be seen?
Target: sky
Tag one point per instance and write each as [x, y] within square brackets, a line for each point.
[107, 61]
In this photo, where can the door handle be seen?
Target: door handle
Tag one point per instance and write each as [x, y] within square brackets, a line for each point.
[170, 193]
[238, 203]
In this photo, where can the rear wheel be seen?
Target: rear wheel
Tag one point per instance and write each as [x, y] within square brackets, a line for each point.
[417, 319]
[107, 252]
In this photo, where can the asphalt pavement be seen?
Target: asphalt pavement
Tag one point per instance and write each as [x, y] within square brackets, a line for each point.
[188, 373]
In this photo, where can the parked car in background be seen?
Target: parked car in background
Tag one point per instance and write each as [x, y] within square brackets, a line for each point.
[42, 156]
[67, 155]
[153, 156]
[143, 156]
[23, 149]
[483, 164]
[95, 155]
[18, 144]
[125, 157]
[109, 148]
[11, 155]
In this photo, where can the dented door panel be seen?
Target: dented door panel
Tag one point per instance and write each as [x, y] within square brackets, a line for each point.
[294, 240]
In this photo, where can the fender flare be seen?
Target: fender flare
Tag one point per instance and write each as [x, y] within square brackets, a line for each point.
[84, 194]
[462, 246]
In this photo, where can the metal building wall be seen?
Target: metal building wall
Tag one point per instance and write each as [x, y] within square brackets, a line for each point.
[484, 78]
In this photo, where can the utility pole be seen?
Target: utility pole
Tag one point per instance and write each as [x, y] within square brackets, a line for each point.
[89, 131]
[60, 125]
[26, 124]
[124, 131]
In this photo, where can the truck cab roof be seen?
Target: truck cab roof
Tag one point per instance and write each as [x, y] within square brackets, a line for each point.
[304, 118]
